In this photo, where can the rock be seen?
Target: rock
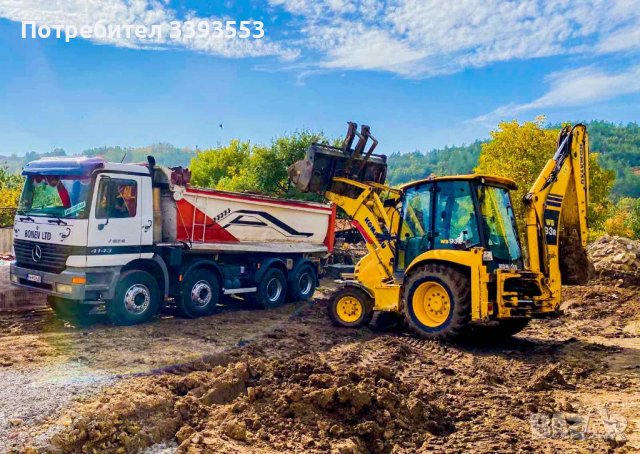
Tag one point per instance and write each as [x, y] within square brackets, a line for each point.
[224, 391]
[236, 430]
[184, 433]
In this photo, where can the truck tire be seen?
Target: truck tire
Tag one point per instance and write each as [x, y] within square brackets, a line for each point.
[271, 290]
[437, 302]
[350, 307]
[68, 310]
[200, 294]
[303, 283]
[136, 300]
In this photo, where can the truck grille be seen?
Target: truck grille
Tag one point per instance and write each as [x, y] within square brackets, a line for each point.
[53, 259]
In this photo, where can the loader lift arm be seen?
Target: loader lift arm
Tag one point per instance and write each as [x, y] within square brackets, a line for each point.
[556, 212]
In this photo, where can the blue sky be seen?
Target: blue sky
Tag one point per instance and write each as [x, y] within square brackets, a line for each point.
[422, 73]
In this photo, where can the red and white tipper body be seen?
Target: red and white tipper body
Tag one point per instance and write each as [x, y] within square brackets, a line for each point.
[223, 220]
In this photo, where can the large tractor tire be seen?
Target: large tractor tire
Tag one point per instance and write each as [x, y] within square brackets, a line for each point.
[200, 294]
[350, 307]
[575, 266]
[437, 302]
[137, 298]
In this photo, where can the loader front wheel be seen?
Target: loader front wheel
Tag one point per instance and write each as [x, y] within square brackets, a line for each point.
[351, 308]
[437, 302]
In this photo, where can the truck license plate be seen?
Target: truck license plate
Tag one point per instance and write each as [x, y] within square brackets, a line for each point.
[34, 278]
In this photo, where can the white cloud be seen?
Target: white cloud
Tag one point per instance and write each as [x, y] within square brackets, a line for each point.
[421, 38]
[135, 12]
[410, 38]
[578, 87]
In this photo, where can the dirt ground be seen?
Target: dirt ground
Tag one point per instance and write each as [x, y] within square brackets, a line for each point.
[285, 380]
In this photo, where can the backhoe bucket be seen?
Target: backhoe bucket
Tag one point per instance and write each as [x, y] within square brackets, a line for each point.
[323, 163]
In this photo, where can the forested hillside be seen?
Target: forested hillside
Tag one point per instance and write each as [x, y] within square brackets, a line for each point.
[618, 147]
[165, 154]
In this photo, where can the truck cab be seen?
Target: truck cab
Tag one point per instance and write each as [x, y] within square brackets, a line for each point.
[78, 221]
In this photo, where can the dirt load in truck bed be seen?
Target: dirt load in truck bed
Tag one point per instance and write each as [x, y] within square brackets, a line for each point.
[285, 380]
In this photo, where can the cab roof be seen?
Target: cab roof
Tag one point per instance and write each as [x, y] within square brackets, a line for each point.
[78, 166]
[478, 177]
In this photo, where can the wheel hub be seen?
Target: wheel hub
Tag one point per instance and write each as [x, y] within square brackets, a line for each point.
[201, 294]
[274, 289]
[137, 299]
[349, 309]
[431, 304]
[305, 283]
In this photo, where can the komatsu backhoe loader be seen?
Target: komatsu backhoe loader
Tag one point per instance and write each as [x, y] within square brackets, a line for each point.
[445, 251]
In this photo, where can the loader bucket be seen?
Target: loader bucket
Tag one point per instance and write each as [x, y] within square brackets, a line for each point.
[323, 163]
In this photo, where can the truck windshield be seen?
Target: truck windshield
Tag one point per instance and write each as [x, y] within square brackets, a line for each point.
[55, 196]
[498, 223]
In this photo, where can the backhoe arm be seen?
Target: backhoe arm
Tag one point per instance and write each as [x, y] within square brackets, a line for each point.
[556, 212]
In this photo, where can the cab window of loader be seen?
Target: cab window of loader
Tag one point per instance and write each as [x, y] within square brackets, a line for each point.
[456, 225]
[416, 224]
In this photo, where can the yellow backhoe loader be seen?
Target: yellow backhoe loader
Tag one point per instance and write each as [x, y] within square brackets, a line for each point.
[445, 251]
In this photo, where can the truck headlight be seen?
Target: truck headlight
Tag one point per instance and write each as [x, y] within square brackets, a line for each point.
[64, 288]
[14, 278]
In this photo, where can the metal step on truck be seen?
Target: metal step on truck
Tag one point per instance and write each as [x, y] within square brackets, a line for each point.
[128, 239]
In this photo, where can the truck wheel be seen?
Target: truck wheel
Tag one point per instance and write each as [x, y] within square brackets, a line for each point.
[437, 302]
[350, 307]
[200, 294]
[303, 283]
[69, 310]
[136, 300]
[272, 289]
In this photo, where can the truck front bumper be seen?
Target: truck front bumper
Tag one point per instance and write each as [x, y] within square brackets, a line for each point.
[99, 284]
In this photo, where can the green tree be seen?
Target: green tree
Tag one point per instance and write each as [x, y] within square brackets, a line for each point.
[241, 166]
[208, 167]
[520, 151]
[10, 188]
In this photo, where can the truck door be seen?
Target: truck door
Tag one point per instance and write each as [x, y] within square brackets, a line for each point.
[146, 215]
[115, 221]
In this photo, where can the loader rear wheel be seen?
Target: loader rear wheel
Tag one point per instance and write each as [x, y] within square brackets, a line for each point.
[437, 302]
[351, 307]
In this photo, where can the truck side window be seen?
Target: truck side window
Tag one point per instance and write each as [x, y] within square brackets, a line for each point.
[117, 199]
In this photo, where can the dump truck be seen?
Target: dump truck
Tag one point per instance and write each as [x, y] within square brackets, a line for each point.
[444, 252]
[128, 239]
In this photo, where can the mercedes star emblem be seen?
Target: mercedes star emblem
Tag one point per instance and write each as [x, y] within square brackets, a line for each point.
[36, 253]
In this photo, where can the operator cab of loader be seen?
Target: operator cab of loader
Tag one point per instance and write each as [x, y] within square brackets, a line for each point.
[459, 213]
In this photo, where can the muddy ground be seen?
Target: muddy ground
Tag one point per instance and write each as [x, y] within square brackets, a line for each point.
[285, 380]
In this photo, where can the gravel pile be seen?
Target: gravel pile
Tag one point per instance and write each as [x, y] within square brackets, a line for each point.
[27, 398]
[615, 253]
